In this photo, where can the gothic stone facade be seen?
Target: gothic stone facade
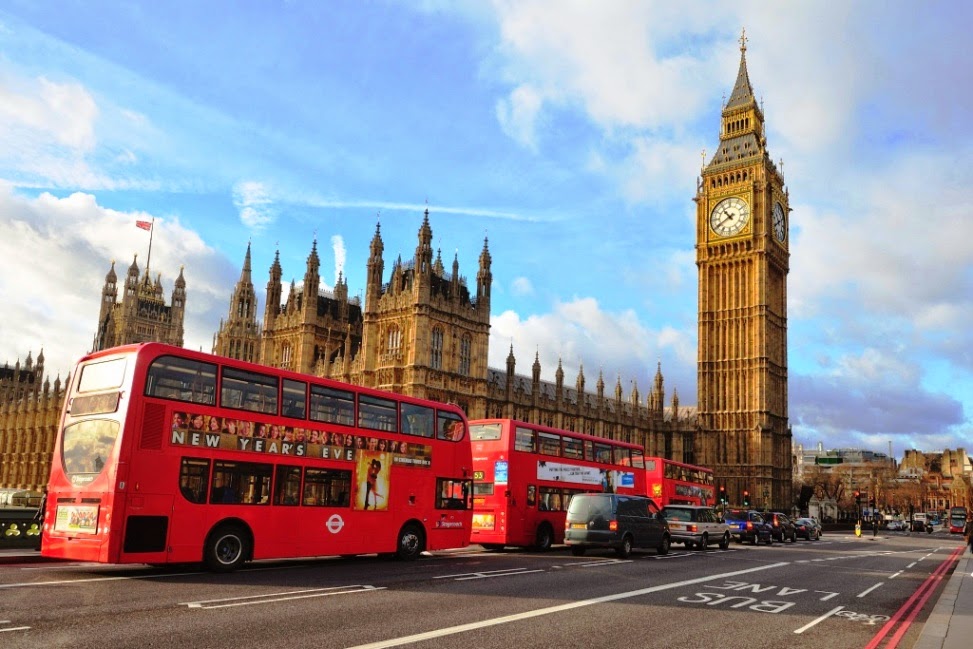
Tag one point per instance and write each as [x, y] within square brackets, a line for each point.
[742, 256]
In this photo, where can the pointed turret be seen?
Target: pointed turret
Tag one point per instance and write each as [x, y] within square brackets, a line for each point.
[274, 288]
[484, 278]
[423, 260]
[376, 267]
[312, 283]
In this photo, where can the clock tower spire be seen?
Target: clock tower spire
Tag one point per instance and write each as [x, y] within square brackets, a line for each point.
[742, 255]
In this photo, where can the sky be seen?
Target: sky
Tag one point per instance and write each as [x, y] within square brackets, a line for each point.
[569, 134]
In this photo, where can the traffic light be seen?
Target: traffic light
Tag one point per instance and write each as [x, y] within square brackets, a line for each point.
[746, 498]
[722, 495]
[858, 497]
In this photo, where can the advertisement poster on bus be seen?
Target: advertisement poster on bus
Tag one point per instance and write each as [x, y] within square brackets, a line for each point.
[588, 475]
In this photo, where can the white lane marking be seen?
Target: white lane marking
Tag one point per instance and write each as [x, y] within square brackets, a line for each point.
[820, 619]
[507, 619]
[911, 565]
[487, 574]
[15, 628]
[896, 574]
[61, 582]
[270, 598]
[868, 590]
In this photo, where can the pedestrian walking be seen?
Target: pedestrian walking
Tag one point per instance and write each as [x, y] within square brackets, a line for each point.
[968, 533]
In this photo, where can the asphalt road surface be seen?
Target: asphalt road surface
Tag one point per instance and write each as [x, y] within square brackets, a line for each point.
[839, 592]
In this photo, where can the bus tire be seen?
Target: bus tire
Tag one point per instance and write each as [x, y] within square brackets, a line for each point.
[227, 548]
[410, 543]
[544, 538]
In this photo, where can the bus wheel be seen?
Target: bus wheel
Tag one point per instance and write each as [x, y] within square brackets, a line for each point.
[545, 538]
[227, 548]
[410, 543]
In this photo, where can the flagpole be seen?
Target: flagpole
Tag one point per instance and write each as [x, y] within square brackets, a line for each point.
[151, 234]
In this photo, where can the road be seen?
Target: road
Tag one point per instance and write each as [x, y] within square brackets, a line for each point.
[839, 592]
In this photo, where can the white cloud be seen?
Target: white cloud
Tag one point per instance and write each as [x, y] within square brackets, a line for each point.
[521, 286]
[58, 113]
[579, 333]
[58, 251]
[518, 113]
[256, 207]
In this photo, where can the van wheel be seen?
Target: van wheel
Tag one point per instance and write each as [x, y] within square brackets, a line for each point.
[703, 542]
[544, 538]
[227, 548]
[666, 542]
[625, 549]
[725, 541]
[577, 550]
[410, 543]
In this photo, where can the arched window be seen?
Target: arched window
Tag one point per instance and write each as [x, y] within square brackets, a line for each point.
[436, 353]
[465, 354]
[285, 355]
[394, 339]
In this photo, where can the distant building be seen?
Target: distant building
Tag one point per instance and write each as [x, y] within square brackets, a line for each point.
[944, 477]
[29, 411]
[141, 315]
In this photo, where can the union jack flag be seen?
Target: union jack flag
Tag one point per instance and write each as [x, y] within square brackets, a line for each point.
[145, 225]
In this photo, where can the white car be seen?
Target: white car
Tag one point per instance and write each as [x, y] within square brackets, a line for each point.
[696, 526]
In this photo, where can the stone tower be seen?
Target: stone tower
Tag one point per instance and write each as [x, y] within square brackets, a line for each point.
[311, 329]
[142, 314]
[239, 335]
[425, 334]
[742, 256]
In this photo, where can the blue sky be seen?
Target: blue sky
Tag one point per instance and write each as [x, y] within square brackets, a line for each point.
[569, 133]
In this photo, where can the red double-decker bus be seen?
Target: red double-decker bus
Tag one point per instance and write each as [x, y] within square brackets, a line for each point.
[671, 482]
[166, 455]
[524, 475]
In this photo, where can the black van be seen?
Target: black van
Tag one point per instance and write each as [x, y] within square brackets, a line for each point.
[615, 521]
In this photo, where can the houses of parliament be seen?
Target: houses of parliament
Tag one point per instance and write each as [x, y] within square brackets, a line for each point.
[423, 330]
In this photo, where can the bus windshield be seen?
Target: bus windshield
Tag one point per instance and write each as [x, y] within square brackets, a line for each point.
[86, 447]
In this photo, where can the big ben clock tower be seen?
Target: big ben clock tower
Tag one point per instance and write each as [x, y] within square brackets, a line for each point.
[742, 239]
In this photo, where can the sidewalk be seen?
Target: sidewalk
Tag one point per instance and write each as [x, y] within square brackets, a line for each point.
[950, 625]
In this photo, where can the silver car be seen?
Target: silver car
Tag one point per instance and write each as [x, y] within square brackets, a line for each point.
[696, 526]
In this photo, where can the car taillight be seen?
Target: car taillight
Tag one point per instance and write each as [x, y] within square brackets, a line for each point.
[749, 525]
[693, 528]
[613, 526]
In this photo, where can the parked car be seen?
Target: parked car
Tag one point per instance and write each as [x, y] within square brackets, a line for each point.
[746, 525]
[606, 520]
[782, 527]
[808, 529]
[921, 525]
[896, 525]
[696, 526]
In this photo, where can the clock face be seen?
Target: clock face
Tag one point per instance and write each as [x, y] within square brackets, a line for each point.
[780, 225]
[729, 216]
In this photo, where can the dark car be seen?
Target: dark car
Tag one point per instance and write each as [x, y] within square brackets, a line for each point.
[781, 526]
[808, 529]
[747, 525]
[606, 520]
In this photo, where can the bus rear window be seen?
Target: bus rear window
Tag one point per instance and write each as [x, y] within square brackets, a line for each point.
[103, 375]
[485, 432]
[85, 447]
